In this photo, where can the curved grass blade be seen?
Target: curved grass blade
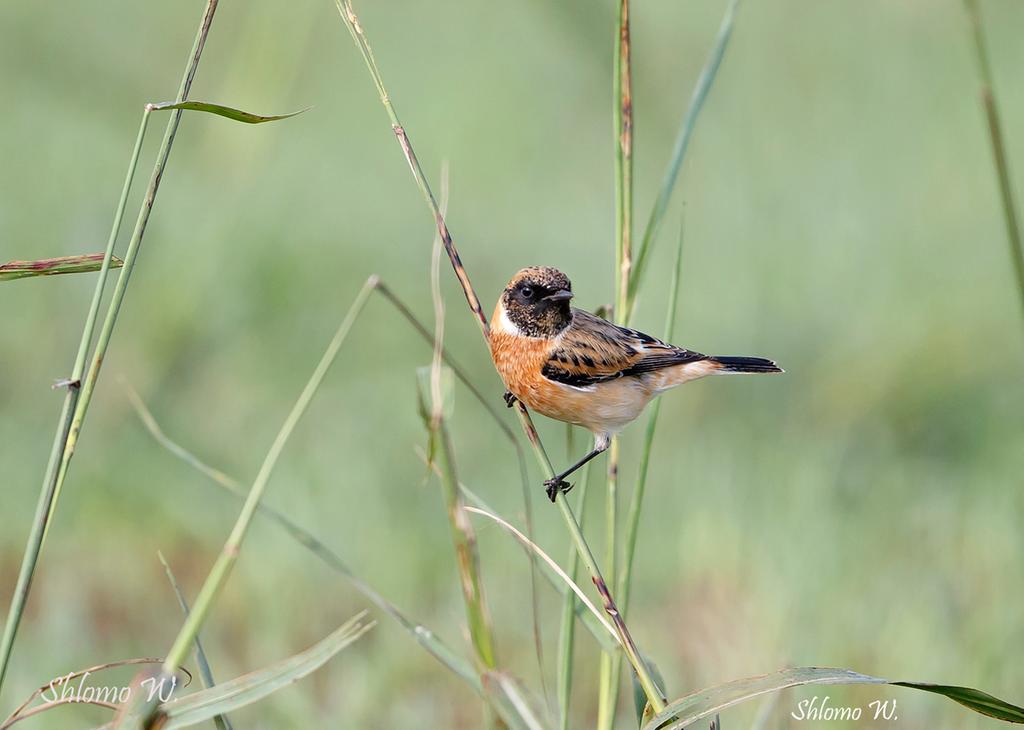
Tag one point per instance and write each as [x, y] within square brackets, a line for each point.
[707, 702]
[79, 264]
[551, 564]
[221, 111]
[590, 622]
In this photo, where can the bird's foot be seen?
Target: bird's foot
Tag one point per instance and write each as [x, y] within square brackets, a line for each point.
[510, 400]
[554, 486]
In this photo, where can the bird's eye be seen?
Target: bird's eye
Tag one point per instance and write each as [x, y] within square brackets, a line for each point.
[527, 292]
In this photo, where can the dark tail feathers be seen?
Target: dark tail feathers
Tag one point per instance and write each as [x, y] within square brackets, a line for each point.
[732, 364]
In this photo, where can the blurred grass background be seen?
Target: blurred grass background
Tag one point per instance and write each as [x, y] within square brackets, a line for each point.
[841, 215]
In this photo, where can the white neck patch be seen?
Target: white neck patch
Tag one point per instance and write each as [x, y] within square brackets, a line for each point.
[507, 324]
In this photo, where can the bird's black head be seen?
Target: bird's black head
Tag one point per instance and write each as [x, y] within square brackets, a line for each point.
[536, 301]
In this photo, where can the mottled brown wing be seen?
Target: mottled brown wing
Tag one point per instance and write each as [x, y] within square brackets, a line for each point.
[592, 350]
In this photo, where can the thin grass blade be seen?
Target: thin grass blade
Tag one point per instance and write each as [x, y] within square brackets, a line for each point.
[550, 563]
[995, 133]
[682, 143]
[205, 673]
[636, 503]
[80, 264]
[550, 572]
[222, 111]
[570, 606]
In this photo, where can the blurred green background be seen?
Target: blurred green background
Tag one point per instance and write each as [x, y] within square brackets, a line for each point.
[841, 216]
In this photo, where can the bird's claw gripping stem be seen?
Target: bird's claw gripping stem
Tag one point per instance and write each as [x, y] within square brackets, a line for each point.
[510, 400]
[556, 485]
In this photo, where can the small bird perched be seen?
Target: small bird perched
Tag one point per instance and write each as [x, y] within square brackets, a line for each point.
[573, 366]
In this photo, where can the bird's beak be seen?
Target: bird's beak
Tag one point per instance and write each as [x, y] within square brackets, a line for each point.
[562, 295]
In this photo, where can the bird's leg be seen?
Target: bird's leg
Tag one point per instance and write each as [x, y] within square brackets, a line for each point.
[510, 400]
[558, 484]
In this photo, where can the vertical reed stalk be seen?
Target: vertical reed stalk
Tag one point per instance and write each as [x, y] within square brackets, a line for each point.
[622, 86]
[76, 402]
[995, 131]
[608, 676]
[623, 124]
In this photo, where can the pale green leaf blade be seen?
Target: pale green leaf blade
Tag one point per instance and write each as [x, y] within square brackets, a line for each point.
[78, 264]
[252, 687]
[223, 111]
[682, 143]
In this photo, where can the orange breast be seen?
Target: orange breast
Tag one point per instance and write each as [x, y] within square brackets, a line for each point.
[602, 408]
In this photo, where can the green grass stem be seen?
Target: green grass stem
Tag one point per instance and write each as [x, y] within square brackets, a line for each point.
[682, 143]
[622, 115]
[567, 629]
[622, 86]
[72, 411]
[633, 519]
[205, 673]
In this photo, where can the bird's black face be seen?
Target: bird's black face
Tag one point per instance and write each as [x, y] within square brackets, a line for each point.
[537, 302]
